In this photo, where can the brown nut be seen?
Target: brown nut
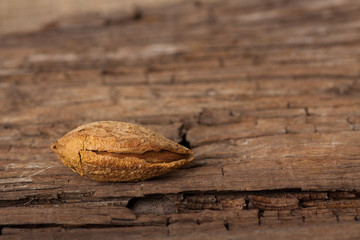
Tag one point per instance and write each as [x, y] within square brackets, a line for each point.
[110, 151]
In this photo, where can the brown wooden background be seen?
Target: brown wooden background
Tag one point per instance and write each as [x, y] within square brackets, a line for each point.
[266, 93]
[24, 16]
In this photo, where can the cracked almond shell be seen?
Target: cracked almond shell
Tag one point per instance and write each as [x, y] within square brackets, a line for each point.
[110, 151]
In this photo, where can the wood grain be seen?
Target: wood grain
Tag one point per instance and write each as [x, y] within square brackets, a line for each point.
[266, 93]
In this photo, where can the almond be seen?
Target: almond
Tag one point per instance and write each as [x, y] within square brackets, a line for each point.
[110, 151]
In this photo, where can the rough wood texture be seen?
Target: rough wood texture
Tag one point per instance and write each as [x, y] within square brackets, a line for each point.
[266, 93]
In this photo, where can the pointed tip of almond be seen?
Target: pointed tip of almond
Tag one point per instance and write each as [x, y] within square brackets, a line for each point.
[54, 146]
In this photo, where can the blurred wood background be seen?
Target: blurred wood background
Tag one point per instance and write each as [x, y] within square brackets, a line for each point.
[266, 93]
[24, 16]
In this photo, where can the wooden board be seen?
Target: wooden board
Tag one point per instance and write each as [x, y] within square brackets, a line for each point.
[266, 93]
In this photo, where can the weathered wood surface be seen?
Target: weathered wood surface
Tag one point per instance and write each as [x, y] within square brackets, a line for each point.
[266, 93]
